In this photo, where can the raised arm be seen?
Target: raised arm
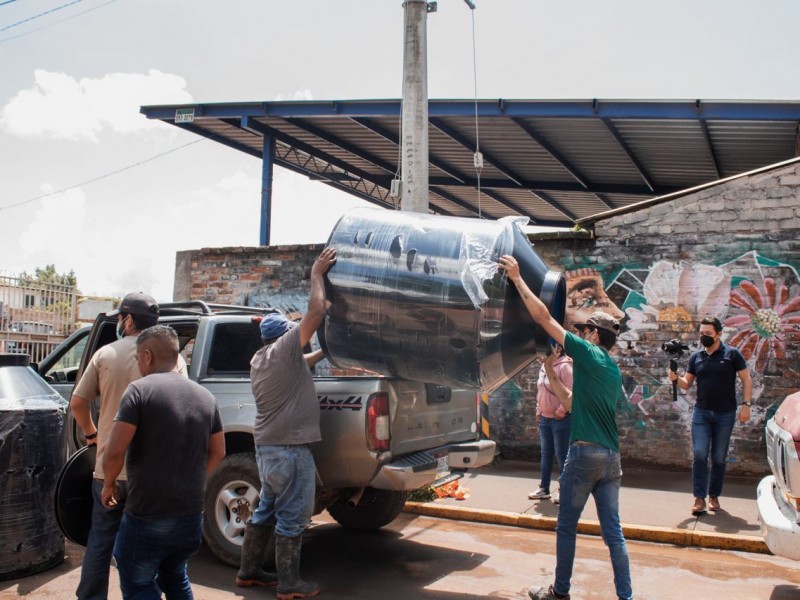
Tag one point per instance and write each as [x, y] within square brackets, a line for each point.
[536, 307]
[316, 299]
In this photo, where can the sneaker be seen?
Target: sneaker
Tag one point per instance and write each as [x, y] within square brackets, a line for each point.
[539, 494]
[556, 498]
[545, 593]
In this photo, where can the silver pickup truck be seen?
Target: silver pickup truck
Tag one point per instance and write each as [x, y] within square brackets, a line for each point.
[381, 437]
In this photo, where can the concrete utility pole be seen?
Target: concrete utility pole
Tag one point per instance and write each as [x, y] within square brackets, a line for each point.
[414, 163]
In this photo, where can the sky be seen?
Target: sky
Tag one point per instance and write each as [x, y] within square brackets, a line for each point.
[72, 82]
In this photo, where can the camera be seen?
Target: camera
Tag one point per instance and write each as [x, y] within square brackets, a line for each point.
[675, 347]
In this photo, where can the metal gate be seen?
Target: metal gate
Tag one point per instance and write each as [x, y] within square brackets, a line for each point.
[35, 317]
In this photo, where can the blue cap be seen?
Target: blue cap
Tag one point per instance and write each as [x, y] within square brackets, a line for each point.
[274, 325]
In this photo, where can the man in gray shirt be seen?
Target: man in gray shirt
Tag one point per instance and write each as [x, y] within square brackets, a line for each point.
[287, 422]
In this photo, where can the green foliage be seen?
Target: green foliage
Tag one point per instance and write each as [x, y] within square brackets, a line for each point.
[48, 275]
[425, 494]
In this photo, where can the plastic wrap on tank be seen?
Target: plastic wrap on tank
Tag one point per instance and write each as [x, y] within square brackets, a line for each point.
[421, 297]
[31, 457]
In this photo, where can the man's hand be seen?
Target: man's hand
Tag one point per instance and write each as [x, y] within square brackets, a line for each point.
[673, 375]
[744, 414]
[109, 494]
[324, 262]
[510, 265]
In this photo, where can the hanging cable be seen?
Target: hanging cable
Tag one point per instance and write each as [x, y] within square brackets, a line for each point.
[47, 12]
[477, 159]
[30, 31]
[72, 187]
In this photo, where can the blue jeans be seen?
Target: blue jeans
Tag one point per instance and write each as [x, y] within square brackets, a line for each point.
[554, 439]
[710, 431]
[591, 469]
[288, 484]
[152, 555]
[97, 558]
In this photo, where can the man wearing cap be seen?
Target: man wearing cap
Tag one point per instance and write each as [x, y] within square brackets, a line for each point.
[287, 422]
[593, 460]
[107, 374]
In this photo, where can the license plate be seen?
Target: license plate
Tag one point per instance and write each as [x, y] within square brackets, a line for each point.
[442, 465]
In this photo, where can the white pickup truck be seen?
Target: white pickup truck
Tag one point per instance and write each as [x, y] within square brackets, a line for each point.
[381, 437]
[779, 493]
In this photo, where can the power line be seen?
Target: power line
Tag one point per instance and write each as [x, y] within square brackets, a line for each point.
[72, 187]
[47, 12]
[7, 2]
[88, 10]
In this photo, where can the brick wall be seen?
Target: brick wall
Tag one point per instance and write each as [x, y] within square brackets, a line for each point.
[730, 250]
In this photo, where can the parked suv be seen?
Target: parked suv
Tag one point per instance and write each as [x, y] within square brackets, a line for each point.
[381, 437]
[779, 493]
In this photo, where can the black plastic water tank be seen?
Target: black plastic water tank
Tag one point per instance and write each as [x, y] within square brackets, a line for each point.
[420, 297]
[31, 457]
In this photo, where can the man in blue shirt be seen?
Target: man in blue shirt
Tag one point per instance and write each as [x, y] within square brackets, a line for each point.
[715, 368]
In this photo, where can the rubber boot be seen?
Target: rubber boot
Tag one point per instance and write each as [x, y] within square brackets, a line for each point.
[268, 561]
[256, 540]
[290, 586]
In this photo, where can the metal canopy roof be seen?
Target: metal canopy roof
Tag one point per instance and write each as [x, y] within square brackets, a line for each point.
[553, 161]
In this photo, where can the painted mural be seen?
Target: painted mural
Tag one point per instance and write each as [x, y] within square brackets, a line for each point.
[757, 299]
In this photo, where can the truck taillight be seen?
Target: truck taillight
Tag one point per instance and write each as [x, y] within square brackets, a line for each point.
[378, 431]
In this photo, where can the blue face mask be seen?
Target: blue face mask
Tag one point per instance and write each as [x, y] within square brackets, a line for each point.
[121, 329]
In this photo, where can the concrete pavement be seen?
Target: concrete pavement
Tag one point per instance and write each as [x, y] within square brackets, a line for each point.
[655, 506]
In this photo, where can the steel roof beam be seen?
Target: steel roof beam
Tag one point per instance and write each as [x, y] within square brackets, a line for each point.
[627, 149]
[550, 149]
[560, 207]
[346, 146]
[712, 153]
[450, 197]
[389, 136]
[561, 186]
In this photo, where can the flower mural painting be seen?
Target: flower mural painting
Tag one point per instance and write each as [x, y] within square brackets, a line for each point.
[676, 295]
[765, 316]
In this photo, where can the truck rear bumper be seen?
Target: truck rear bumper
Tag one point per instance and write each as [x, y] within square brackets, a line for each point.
[424, 468]
[780, 532]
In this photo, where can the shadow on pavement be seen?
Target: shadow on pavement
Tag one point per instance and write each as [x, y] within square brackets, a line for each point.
[27, 586]
[785, 592]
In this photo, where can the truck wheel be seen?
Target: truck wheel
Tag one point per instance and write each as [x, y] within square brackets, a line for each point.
[376, 509]
[231, 497]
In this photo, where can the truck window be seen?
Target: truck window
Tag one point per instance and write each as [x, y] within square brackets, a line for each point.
[232, 347]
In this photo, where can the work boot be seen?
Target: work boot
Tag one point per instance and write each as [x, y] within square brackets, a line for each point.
[268, 560]
[290, 586]
[256, 540]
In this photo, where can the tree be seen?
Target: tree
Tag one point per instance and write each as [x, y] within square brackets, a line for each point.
[48, 275]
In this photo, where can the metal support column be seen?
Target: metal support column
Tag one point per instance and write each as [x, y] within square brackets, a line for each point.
[268, 154]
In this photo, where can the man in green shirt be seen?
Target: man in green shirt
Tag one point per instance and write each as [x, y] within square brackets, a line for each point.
[593, 461]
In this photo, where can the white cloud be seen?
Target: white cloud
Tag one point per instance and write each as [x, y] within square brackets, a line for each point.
[60, 107]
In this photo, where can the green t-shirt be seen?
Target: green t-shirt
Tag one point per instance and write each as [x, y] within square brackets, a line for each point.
[596, 383]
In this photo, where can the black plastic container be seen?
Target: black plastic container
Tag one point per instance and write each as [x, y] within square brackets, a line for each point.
[31, 457]
[420, 297]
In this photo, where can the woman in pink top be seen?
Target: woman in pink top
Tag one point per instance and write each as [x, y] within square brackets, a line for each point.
[553, 420]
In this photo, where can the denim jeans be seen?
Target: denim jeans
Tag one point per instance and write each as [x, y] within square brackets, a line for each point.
[710, 431]
[591, 469]
[554, 439]
[288, 484]
[97, 558]
[152, 555]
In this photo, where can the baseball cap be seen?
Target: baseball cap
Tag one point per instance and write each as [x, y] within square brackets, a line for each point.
[136, 303]
[601, 320]
[274, 325]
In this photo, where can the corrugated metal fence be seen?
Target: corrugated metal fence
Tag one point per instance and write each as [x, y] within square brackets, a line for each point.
[35, 317]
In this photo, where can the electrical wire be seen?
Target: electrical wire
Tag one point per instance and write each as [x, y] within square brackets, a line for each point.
[123, 169]
[478, 157]
[88, 10]
[47, 12]
[7, 2]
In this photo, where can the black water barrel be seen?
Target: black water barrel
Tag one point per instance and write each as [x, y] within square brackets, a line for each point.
[420, 297]
[31, 457]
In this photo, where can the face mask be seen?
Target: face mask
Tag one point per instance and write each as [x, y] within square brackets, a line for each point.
[121, 329]
[707, 340]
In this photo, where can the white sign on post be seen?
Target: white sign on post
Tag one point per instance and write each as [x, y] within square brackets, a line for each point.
[184, 115]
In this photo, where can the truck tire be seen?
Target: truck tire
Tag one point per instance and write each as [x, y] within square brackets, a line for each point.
[231, 497]
[375, 509]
